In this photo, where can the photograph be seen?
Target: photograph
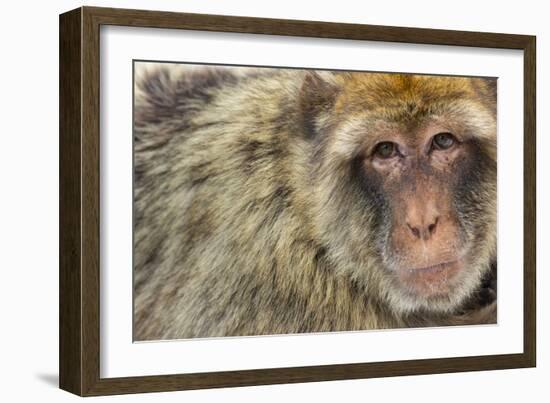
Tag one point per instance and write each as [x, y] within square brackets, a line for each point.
[252, 200]
[275, 201]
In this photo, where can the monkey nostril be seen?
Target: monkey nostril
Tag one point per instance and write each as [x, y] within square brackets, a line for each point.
[431, 227]
[414, 230]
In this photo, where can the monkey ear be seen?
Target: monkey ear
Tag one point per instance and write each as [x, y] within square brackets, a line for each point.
[317, 96]
[491, 93]
[487, 89]
[491, 85]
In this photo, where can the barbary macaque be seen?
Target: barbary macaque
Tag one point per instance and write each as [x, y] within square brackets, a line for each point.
[273, 201]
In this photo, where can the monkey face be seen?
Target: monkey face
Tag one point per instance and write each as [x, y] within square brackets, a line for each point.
[420, 204]
[418, 172]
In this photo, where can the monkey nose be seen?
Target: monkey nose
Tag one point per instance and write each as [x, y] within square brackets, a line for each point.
[423, 228]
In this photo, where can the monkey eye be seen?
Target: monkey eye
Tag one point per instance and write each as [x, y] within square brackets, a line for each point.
[385, 150]
[443, 141]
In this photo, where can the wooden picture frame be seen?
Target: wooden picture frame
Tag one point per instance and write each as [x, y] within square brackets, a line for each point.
[79, 348]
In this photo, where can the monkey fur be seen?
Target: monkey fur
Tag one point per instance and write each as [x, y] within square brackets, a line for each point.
[250, 214]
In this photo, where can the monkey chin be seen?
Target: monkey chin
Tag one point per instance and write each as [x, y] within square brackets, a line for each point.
[438, 288]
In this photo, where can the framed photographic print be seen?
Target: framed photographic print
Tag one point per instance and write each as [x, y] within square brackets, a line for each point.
[249, 201]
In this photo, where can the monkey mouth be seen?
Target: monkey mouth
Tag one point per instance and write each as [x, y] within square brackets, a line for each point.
[434, 268]
[431, 280]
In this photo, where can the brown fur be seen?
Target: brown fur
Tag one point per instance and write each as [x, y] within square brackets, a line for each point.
[250, 220]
